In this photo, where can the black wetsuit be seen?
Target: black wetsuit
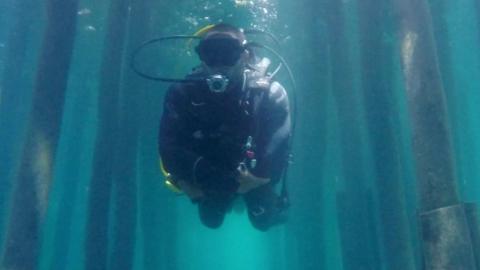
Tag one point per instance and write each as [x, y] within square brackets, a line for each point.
[203, 136]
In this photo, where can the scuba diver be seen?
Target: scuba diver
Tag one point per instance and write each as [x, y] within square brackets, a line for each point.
[225, 131]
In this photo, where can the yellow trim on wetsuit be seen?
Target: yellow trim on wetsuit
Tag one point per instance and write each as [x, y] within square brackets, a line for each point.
[168, 179]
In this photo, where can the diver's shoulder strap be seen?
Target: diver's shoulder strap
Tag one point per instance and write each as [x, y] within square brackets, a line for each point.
[257, 75]
[258, 88]
[261, 83]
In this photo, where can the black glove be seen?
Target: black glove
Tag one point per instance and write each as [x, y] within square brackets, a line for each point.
[214, 178]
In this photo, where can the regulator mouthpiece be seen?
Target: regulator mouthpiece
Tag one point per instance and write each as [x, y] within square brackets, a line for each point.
[217, 83]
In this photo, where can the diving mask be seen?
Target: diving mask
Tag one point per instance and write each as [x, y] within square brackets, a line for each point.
[220, 51]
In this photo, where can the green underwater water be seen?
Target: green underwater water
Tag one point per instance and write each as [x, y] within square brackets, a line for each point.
[353, 187]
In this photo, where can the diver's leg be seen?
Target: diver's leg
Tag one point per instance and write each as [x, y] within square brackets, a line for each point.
[263, 206]
[213, 207]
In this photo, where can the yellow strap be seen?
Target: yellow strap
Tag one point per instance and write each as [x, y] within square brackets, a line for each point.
[203, 30]
[200, 33]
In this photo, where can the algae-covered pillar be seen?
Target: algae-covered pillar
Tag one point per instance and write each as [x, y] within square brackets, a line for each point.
[125, 180]
[354, 198]
[377, 71]
[445, 232]
[99, 201]
[35, 173]
[15, 90]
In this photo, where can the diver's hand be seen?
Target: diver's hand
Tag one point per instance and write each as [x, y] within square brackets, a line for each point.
[248, 181]
[210, 177]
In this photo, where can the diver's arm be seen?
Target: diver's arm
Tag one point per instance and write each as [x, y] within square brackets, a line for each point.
[176, 158]
[273, 134]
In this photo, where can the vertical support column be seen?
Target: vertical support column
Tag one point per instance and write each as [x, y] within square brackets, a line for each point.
[357, 236]
[473, 219]
[377, 69]
[445, 233]
[33, 180]
[99, 201]
[15, 92]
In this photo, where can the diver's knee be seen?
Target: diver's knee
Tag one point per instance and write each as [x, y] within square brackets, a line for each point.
[263, 220]
[261, 226]
[260, 219]
[212, 223]
[211, 217]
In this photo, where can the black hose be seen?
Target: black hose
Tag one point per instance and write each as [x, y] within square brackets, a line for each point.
[156, 40]
[263, 32]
